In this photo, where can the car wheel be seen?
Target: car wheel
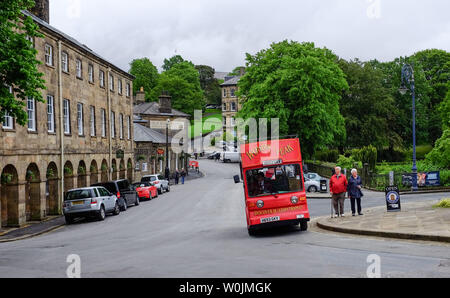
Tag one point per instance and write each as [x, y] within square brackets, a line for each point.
[136, 203]
[116, 209]
[168, 188]
[125, 206]
[303, 225]
[101, 214]
[69, 220]
[312, 189]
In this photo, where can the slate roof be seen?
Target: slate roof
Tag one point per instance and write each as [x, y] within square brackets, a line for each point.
[75, 42]
[152, 108]
[231, 82]
[145, 134]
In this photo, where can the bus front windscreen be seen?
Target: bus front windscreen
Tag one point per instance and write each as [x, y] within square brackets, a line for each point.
[274, 180]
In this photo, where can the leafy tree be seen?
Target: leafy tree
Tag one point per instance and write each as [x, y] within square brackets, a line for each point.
[368, 107]
[209, 84]
[169, 63]
[146, 75]
[403, 103]
[299, 84]
[183, 84]
[18, 63]
[436, 67]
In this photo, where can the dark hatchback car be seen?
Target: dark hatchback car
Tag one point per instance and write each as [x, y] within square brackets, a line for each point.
[125, 192]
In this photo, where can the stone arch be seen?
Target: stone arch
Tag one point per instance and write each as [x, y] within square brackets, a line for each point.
[52, 189]
[82, 175]
[130, 170]
[104, 169]
[93, 169]
[33, 193]
[68, 176]
[9, 196]
[114, 169]
[122, 169]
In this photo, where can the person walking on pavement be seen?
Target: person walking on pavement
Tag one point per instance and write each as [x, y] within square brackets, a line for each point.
[177, 176]
[183, 175]
[354, 192]
[338, 188]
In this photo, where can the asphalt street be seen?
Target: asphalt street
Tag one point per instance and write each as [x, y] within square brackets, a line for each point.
[199, 230]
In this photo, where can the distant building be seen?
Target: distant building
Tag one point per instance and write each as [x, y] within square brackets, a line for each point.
[230, 103]
[150, 123]
[220, 75]
[81, 134]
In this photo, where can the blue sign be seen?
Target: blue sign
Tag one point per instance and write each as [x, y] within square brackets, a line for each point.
[423, 179]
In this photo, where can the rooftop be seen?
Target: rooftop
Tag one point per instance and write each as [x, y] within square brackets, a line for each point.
[231, 82]
[145, 134]
[152, 108]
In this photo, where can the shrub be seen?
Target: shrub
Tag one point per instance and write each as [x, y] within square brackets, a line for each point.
[393, 155]
[369, 155]
[440, 155]
[331, 155]
[347, 162]
[445, 203]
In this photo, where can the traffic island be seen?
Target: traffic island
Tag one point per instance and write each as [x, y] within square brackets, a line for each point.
[416, 221]
[32, 229]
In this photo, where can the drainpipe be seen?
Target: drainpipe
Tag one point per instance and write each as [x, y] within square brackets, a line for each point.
[61, 128]
[108, 92]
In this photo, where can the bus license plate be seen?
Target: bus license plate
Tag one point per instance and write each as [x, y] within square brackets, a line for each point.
[270, 219]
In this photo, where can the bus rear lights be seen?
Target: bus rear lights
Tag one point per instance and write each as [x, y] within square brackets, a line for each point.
[260, 204]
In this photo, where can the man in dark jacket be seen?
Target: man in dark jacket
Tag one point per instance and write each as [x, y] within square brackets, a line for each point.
[354, 191]
[338, 188]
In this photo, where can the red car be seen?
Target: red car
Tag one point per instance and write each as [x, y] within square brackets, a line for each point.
[146, 190]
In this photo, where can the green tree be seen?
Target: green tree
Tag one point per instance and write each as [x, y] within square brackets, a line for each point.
[209, 84]
[436, 66]
[183, 84]
[368, 107]
[169, 63]
[18, 63]
[237, 71]
[299, 84]
[146, 75]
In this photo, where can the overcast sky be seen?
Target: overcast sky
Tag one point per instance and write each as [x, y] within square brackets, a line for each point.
[219, 33]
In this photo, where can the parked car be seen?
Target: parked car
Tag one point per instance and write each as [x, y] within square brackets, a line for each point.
[159, 181]
[124, 191]
[314, 176]
[312, 185]
[212, 155]
[230, 156]
[146, 190]
[89, 202]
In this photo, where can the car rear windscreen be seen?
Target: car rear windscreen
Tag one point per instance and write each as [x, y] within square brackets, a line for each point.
[78, 195]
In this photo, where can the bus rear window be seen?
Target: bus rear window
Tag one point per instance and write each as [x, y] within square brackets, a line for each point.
[274, 180]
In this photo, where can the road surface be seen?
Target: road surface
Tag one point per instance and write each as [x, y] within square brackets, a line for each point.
[199, 230]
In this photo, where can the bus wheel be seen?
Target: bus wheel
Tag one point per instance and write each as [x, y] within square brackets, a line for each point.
[303, 225]
[251, 232]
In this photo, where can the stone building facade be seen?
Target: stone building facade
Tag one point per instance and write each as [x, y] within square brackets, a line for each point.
[230, 103]
[81, 134]
[151, 125]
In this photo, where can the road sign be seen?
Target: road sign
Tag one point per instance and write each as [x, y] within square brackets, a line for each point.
[393, 199]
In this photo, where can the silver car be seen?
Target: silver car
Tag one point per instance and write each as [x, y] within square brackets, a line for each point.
[89, 202]
[311, 185]
[159, 181]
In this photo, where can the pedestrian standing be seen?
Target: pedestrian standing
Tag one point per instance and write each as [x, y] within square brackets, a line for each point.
[354, 192]
[177, 177]
[338, 188]
[183, 175]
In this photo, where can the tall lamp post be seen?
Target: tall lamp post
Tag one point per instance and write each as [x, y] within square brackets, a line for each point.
[167, 171]
[408, 83]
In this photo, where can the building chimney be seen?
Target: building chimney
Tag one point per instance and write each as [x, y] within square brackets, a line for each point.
[165, 103]
[140, 97]
[42, 10]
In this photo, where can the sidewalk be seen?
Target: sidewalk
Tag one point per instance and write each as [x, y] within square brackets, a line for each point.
[32, 229]
[416, 221]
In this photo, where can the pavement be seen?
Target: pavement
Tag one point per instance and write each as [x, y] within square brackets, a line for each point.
[416, 221]
[198, 230]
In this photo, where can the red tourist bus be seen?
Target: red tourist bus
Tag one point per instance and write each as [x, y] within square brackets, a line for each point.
[274, 190]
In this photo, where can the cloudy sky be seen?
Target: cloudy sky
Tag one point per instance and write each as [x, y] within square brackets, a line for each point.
[219, 33]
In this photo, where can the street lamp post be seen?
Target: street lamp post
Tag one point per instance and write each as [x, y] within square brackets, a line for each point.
[167, 171]
[408, 83]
